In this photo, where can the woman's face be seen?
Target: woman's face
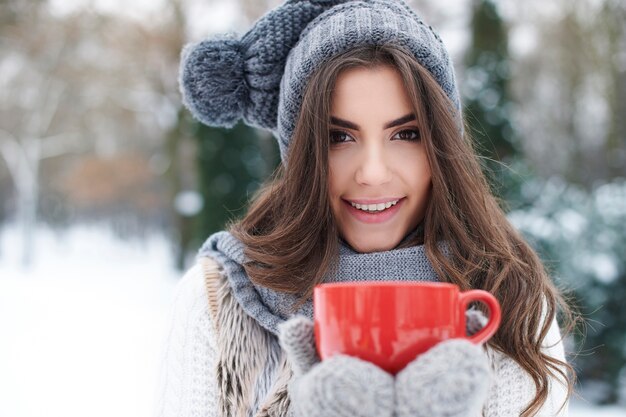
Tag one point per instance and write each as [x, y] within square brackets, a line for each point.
[376, 159]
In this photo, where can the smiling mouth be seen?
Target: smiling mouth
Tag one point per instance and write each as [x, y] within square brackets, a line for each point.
[366, 216]
[374, 208]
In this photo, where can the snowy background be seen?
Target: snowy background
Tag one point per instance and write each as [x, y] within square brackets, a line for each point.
[82, 329]
[92, 131]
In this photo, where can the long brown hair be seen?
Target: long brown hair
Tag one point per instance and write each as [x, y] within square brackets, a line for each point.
[291, 238]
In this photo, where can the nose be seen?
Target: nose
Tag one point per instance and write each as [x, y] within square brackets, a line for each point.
[373, 168]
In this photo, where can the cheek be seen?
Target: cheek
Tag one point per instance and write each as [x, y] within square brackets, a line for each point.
[336, 176]
[413, 166]
[423, 176]
[418, 177]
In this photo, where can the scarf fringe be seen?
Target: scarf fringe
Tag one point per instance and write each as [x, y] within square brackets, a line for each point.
[246, 352]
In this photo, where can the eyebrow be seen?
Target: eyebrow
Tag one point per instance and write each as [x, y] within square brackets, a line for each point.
[349, 125]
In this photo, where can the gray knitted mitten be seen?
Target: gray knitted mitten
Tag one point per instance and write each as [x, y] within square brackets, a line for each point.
[341, 386]
[450, 380]
[474, 321]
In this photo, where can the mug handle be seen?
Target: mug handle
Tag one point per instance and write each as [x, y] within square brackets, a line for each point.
[493, 306]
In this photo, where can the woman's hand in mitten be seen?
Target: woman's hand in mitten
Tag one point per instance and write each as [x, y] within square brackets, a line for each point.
[339, 386]
[452, 379]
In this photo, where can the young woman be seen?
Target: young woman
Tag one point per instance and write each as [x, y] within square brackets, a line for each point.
[378, 181]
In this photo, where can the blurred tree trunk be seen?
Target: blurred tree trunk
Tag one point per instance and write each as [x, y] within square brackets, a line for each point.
[571, 89]
[23, 159]
[613, 15]
[30, 138]
[180, 224]
[487, 102]
[181, 173]
[232, 164]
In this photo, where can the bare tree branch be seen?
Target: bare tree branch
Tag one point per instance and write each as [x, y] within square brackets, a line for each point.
[60, 144]
[12, 152]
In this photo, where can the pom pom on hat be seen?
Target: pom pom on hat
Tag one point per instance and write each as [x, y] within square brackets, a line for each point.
[212, 80]
[225, 79]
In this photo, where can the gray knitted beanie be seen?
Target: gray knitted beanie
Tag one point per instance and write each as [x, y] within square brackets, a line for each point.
[261, 77]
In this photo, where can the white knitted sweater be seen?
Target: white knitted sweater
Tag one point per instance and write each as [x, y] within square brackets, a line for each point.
[187, 384]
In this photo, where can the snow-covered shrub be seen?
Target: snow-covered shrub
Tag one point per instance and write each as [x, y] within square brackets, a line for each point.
[582, 238]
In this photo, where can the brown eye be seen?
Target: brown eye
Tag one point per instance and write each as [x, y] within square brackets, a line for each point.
[337, 136]
[408, 134]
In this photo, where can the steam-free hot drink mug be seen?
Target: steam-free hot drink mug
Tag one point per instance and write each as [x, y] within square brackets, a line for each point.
[390, 323]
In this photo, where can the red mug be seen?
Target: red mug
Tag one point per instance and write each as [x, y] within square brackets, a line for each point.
[390, 323]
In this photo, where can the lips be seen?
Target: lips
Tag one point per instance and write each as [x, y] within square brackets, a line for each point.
[380, 217]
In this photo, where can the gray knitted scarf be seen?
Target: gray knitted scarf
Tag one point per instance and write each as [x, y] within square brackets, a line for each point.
[270, 308]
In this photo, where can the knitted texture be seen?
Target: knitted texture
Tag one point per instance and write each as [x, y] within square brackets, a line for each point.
[340, 386]
[355, 23]
[513, 386]
[297, 338]
[187, 381]
[187, 384]
[474, 321]
[270, 308]
[450, 380]
[519, 386]
[261, 77]
[343, 386]
[223, 78]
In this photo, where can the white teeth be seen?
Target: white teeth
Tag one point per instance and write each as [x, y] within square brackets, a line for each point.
[374, 207]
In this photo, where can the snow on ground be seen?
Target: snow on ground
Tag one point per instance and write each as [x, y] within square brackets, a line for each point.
[579, 409]
[81, 330]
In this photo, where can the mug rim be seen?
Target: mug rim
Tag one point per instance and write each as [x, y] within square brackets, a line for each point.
[386, 284]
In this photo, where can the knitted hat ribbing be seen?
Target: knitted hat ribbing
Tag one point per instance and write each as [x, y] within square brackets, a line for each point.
[261, 78]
